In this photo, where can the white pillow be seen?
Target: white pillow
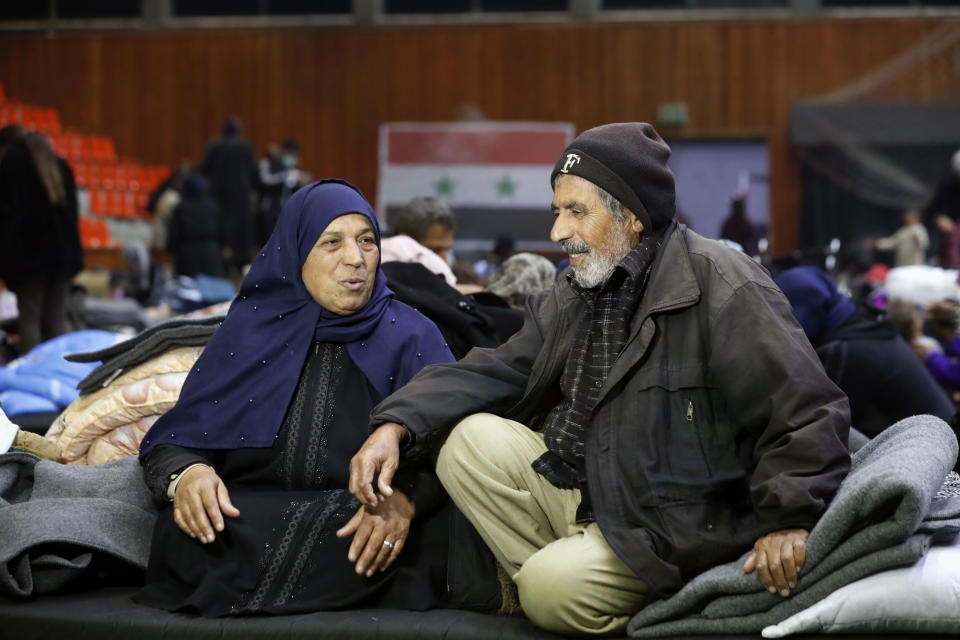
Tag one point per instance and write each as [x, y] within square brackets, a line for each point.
[922, 598]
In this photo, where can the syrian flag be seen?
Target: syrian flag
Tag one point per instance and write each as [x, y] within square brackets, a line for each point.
[494, 175]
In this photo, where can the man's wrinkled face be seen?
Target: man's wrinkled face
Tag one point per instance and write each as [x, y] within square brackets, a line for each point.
[595, 241]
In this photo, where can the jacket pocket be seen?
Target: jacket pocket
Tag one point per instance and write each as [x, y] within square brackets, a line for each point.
[682, 425]
[703, 534]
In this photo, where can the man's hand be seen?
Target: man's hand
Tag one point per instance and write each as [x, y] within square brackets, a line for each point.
[378, 533]
[777, 558]
[202, 499]
[379, 454]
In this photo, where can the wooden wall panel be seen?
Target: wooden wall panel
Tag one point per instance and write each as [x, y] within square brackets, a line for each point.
[162, 95]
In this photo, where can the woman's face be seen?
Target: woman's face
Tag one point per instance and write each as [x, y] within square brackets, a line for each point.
[341, 267]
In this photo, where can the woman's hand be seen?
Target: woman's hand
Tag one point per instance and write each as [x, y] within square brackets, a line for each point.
[202, 499]
[378, 533]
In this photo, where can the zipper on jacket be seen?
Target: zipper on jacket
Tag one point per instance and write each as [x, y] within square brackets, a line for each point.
[689, 410]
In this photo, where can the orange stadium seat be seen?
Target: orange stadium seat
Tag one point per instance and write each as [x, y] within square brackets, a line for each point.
[115, 206]
[108, 175]
[9, 113]
[122, 180]
[72, 144]
[104, 149]
[46, 120]
[81, 174]
[97, 201]
[134, 180]
[129, 205]
[95, 175]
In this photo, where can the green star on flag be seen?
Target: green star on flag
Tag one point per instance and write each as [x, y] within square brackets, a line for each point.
[506, 187]
[444, 187]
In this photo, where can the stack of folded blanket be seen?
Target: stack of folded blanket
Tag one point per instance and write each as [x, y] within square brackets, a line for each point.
[891, 508]
[140, 379]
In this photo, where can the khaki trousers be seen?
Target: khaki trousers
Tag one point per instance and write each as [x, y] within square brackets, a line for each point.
[568, 579]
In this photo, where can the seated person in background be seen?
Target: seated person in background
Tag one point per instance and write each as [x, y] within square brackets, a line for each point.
[906, 318]
[401, 248]
[464, 321]
[943, 317]
[659, 413]
[430, 224]
[862, 353]
[941, 321]
[503, 247]
[520, 276]
[194, 235]
[253, 459]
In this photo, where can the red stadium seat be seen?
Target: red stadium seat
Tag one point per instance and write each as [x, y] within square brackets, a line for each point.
[98, 201]
[108, 175]
[93, 175]
[128, 208]
[81, 174]
[115, 205]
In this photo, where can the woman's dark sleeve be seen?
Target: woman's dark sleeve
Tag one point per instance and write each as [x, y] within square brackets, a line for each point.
[167, 459]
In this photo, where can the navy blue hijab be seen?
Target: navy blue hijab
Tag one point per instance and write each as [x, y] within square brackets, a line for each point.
[819, 306]
[237, 393]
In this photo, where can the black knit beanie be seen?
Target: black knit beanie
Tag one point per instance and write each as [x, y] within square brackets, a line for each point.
[629, 161]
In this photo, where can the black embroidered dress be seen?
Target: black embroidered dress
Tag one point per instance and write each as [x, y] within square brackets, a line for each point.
[282, 555]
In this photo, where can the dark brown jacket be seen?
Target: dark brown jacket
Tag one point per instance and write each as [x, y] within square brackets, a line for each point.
[716, 425]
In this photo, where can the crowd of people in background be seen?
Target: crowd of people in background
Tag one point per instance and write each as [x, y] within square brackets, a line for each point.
[213, 217]
[362, 314]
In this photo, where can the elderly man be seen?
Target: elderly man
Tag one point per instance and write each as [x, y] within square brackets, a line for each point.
[660, 412]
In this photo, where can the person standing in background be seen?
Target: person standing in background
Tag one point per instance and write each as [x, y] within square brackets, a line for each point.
[910, 242]
[40, 249]
[737, 226]
[230, 165]
[944, 210]
[279, 178]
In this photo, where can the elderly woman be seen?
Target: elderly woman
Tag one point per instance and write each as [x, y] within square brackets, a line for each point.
[254, 457]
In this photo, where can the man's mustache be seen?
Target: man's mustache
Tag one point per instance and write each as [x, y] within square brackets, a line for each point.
[575, 246]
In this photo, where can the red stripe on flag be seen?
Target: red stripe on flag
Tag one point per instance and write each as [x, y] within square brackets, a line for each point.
[476, 147]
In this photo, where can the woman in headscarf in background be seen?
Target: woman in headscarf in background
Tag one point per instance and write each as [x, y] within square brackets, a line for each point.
[194, 235]
[254, 457]
[862, 353]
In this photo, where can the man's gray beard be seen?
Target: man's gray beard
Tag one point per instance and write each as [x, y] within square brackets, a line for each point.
[594, 273]
[600, 262]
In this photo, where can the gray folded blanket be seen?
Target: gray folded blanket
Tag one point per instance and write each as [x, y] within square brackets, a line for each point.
[886, 514]
[54, 517]
[146, 345]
